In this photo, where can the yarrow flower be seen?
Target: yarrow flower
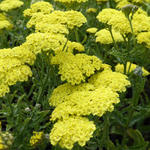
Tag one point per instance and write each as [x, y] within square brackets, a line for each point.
[37, 42]
[118, 21]
[104, 36]
[94, 97]
[71, 1]
[86, 102]
[43, 7]
[72, 130]
[114, 80]
[69, 18]
[7, 5]
[144, 38]
[51, 28]
[75, 68]
[13, 67]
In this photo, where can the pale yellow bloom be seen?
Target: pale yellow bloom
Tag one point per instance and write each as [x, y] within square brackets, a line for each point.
[104, 37]
[74, 129]
[7, 5]
[43, 7]
[144, 38]
[91, 10]
[91, 30]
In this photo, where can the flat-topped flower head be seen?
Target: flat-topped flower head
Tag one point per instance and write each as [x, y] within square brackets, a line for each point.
[75, 19]
[37, 42]
[72, 130]
[71, 1]
[144, 38]
[43, 7]
[20, 53]
[13, 67]
[70, 18]
[59, 94]
[119, 22]
[114, 80]
[7, 5]
[86, 102]
[51, 28]
[106, 14]
[75, 68]
[104, 36]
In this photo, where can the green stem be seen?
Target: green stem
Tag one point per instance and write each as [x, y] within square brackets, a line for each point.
[106, 131]
[115, 45]
[77, 35]
[129, 67]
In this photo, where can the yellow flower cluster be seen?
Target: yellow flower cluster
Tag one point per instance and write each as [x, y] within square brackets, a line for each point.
[37, 42]
[72, 130]
[4, 22]
[122, 3]
[60, 93]
[6, 140]
[74, 19]
[144, 38]
[69, 18]
[91, 87]
[13, 67]
[86, 102]
[71, 1]
[51, 27]
[95, 97]
[36, 138]
[75, 68]
[7, 5]
[117, 20]
[130, 67]
[43, 7]
[114, 80]
[104, 36]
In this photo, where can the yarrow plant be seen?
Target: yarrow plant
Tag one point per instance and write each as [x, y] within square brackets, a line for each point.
[79, 76]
